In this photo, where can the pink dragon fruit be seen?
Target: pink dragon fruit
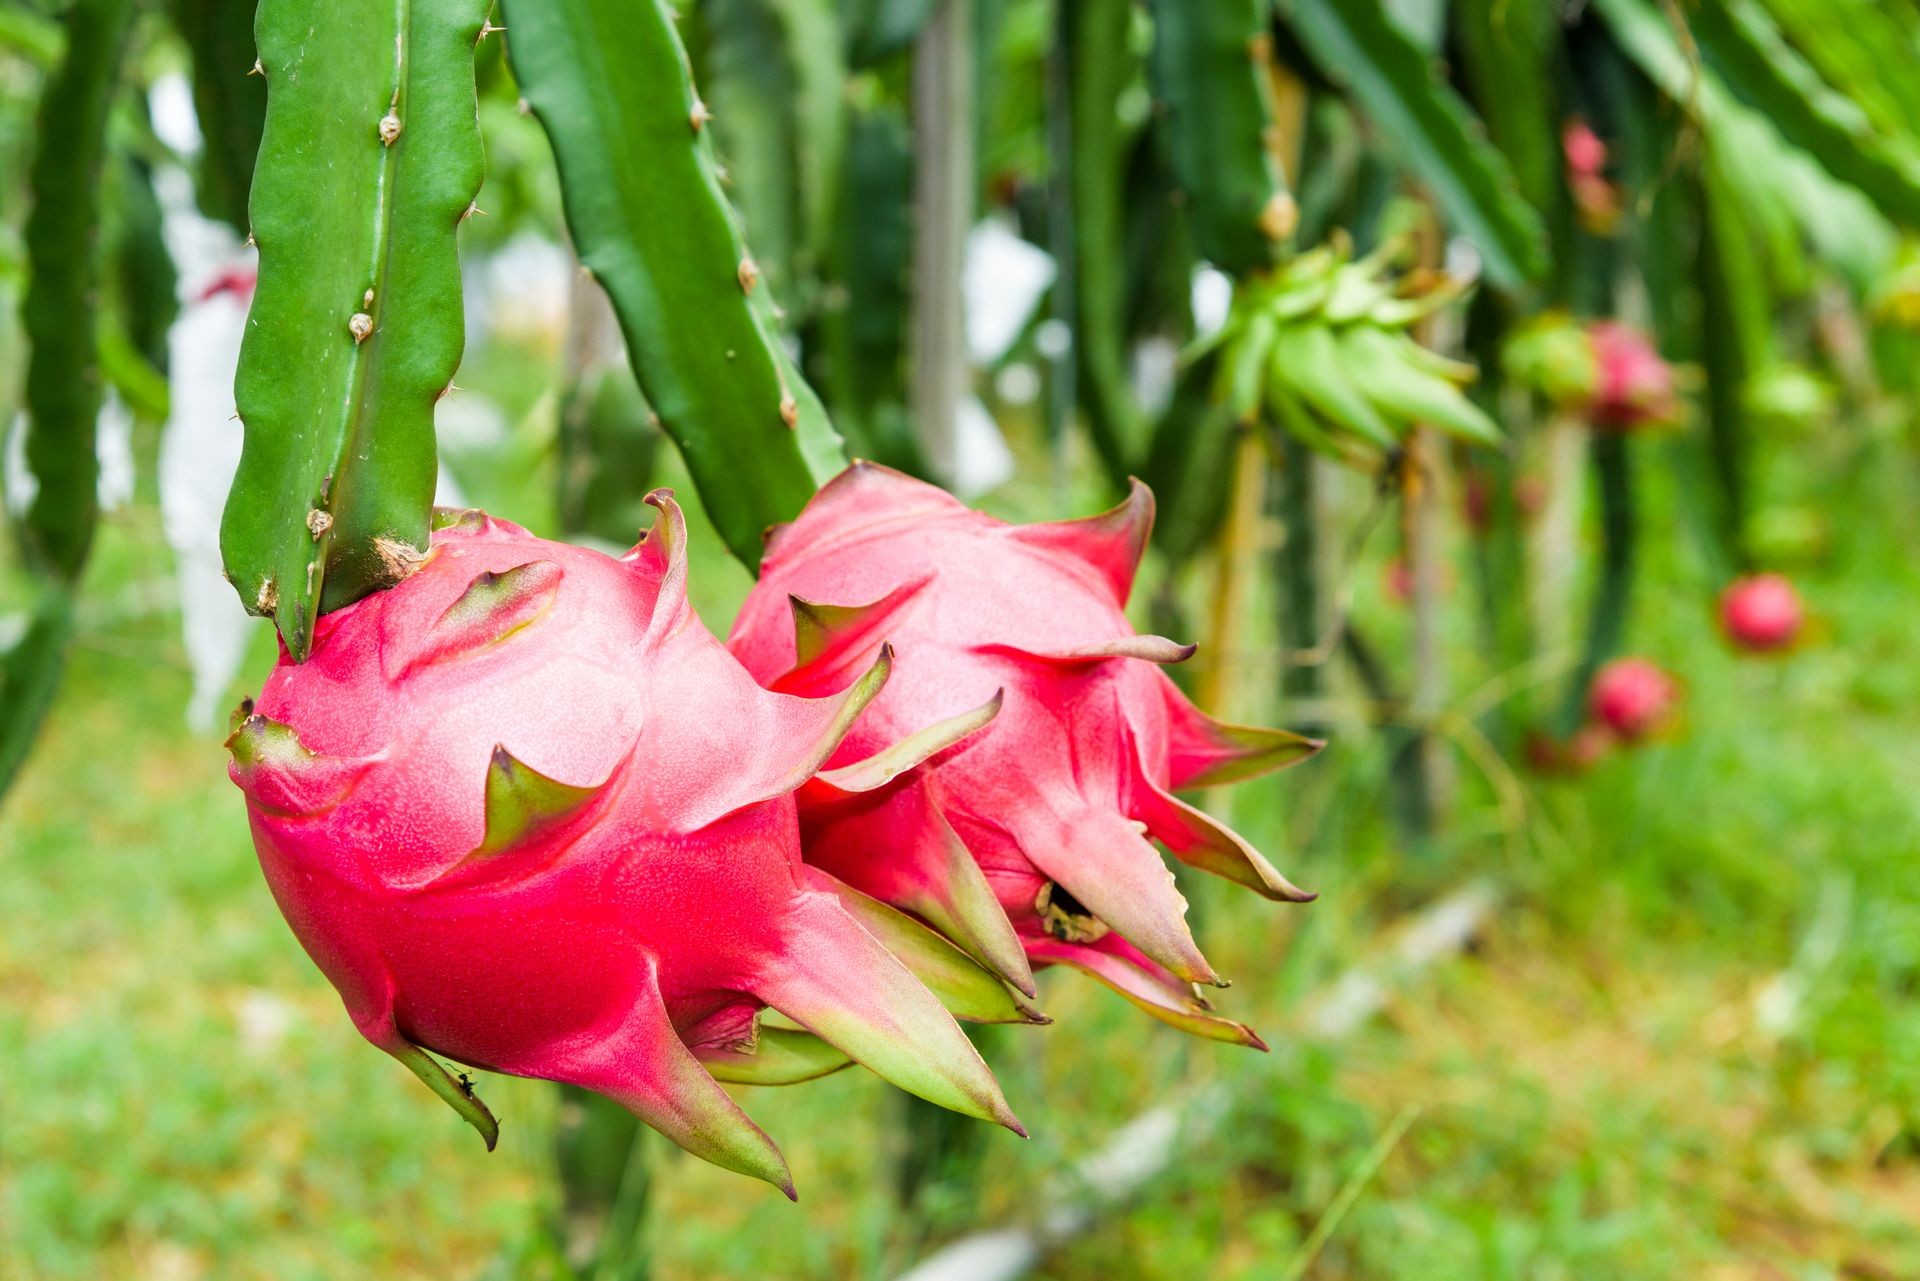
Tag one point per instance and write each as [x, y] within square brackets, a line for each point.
[1632, 697]
[1761, 612]
[526, 812]
[1027, 844]
[1633, 387]
[1595, 198]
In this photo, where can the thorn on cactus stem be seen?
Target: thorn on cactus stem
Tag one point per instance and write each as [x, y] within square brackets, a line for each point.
[319, 522]
[257, 69]
[360, 326]
[473, 208]
[487, 28]
[699, 116]
[749, 275]
[790, 412]
[267, 599]
[366, 299]
[398, 558]
[389, 129]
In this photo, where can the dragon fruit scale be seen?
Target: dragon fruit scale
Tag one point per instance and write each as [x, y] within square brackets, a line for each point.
[526, 812]
[1026, 843]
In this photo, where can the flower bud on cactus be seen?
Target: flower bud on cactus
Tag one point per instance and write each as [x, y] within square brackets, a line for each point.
[1632, 697]
[1028, 843]
[1761, 612]
[526, 812]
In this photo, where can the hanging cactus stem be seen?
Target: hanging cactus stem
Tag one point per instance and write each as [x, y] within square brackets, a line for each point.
[356, 326]
[609, 80]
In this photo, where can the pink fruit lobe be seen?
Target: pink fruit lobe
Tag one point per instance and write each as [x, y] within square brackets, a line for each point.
[1031, 842]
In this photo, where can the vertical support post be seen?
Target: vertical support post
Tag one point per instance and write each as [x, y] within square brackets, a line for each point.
[1425, 499]
[943, 195]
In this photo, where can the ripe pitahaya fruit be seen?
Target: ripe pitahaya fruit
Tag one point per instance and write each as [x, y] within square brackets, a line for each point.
[1633, 386]
[1027, 844]
[1761, 612]
[1595, 198]
[1633, 697]
[526, 812]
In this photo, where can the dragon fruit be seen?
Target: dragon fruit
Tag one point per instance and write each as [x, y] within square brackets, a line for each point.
[526, 812]
[1761, 612]
[1027, 843]
[1633, 387]
[1632, 697]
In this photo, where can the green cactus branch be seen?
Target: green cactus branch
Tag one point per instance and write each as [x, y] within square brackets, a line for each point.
[229, 100]
[63, 382]
[1208, 64]
[610, 82]
[369, 163]
[63, 244]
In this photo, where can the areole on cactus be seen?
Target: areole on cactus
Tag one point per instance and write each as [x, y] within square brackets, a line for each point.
[525, 811]
[1028, 842]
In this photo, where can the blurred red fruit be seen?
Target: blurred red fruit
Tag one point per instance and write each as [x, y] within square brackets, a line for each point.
[1632, 697]
[1586, 155]
[1633, 385]
[1761, 612]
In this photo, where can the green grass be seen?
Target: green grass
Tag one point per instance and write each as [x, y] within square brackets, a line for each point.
[1686, 1046]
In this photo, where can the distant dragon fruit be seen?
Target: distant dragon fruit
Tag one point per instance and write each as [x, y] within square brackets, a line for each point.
[1633, 697]
[1027, 843]
[1761, 612]
[526, 812]
[1633, 386]
[1596, 198]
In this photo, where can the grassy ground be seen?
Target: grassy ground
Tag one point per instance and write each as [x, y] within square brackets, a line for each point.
[1686, 1045]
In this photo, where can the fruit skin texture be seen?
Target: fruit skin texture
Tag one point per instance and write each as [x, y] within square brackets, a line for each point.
[1633, 385]
[1026, 844]
[1632, 697]
[1761, 612]
[526, 812]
